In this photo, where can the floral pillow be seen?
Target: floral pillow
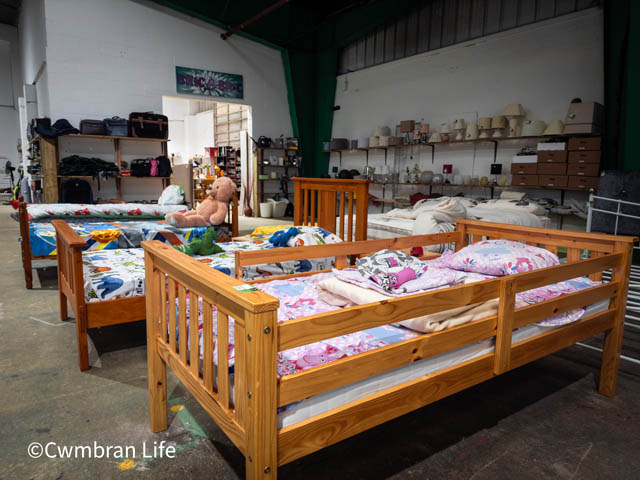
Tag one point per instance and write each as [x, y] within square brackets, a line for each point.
[500, 257]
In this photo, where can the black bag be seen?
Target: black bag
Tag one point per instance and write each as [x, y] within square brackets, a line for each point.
[164, 166]
[117, 127]
[93, 127]
[38, 122]
[148, 125]
[76, 191]
[141, 167]
[264, 142]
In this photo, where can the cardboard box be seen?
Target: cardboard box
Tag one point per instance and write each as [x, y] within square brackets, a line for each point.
[583, 183]
[552, 146]
[584, 169]
[552, 156]
[583, 113]
[524, 180]
[552, 168]
[585, 143]
[524, 168]
[582, 128]
[553, 180]
[585, 156]
[525, 158]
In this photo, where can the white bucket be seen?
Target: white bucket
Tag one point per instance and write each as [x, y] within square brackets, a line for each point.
[266, 209]
[279, 207]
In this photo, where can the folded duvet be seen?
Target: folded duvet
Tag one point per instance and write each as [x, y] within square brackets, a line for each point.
[38, 211]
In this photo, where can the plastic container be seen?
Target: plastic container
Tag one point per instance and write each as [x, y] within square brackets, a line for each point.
[266, 209]
[279, 207]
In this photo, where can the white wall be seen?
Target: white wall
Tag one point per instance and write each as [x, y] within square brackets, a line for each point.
[542, 66]
[33, 43]
[10, 80]
[112, 58]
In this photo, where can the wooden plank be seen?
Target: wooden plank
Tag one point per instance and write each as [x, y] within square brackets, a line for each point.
[240, 373]
[165, 305]
[115, 312]
[207, 346]
[341, 215]
[223, 418]
[312, 220]
[156, 369]
[302, 331]
[350, 218]
[613, 338]
[261, 426]
[223, 359]
[463, 235]
[341, 372]
[25, 244]
[504, 327]
[297, 201]
[596, 277]
[194, 344]
[540, 311]
[476, 238]
[552, 248]
[347, 420]
[172, 314]
[305, 207]
[182, 322]
[557, 339]
[573, 255]
[362, 208]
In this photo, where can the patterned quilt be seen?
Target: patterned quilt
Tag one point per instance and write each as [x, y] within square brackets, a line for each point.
[38, 211]
[109, 235]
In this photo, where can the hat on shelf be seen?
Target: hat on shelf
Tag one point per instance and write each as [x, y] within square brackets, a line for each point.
[514, 110]
[407, 126]
[374, 141]
[435, 138]
[556, 127]
[472, 132]
[382, 131]
[484, 125]
[533, 128]
[459, 124]
[383, 141]
[444, 128]
[498, 123]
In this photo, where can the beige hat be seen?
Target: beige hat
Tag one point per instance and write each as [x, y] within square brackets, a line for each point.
[444, 128]
[382, 131]
[459, 124]
[383, 141]
[556, 127]
[514, 110]
[435, 138]
[472, 132]
[374, 141]
[499, 122]
[484, 123]
[533, 128]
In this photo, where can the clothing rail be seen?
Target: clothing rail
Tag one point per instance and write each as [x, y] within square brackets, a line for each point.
[632, 315]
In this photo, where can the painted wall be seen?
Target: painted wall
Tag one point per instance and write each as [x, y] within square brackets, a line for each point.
[542, 66]
[10, 80]
[124, 59]
[33, 42]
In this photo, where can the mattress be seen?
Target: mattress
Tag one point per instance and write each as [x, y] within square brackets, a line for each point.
[112, 274]
[109, 235]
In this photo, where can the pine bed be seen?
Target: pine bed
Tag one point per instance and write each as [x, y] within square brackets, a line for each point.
[247, 410]
[315, 197]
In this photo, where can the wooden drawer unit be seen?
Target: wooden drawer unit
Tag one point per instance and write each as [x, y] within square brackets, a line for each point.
[552, 168]
[553, 180]
[583, 183]
[524, 168]
[584, 143]
[586, 156]
[584, 170]
[524, 180]
[552, 156]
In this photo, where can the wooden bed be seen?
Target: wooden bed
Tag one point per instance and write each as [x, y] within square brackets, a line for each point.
[25, 241]
[113, 312]
[250, 418]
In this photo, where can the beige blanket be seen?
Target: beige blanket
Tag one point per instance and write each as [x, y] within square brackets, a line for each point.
[343, 294]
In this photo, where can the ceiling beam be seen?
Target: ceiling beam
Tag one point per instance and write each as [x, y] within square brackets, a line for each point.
[256, 17]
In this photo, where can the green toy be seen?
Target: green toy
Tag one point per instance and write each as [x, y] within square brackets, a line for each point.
[206, 245]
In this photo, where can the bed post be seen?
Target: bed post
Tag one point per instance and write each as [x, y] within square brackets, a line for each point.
[262, 398]
[82, 320]
[234, 215]
[157, 370]
[613, 338]
[461, 227]
[297, 203]
[61, 258]
[25, 242]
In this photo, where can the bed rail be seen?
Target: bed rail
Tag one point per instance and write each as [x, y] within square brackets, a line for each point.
[317, 200]
[252, 424]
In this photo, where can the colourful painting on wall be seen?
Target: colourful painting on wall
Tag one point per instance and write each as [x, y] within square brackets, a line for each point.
[194, 81]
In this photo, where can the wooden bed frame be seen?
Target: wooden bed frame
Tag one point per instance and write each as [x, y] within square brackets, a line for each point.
[316, 201]
[25, 240]
[250, 420]
[124, 310]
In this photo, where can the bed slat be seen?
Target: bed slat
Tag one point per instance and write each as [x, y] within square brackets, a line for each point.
[207, 346]
[182, 322]
[240, 371]
[165, 305]
[596, 277]
[350, 212]
[573, 254]
[305, 210]
[172, 314]
[505, 326]
[552, 248]
[341, 217]
[312, 220]
[194, 344]
[223, 359]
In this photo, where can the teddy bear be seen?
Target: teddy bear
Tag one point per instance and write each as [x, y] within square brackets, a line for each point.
[212, 211]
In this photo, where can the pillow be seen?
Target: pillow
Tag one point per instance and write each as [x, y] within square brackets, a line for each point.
[312, 236]
[500, 257]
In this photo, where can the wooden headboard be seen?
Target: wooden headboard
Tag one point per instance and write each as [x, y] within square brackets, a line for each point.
[328, 202]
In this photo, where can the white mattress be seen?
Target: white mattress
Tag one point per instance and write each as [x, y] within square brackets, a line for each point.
[326, 401]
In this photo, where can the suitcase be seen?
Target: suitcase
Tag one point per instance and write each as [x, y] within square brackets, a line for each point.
[93, 127]
[141, 167]
[617, 185]
[148, 125]
[117, 127]
[76, 191]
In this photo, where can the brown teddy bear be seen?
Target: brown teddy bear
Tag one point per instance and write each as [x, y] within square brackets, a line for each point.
[212, 211]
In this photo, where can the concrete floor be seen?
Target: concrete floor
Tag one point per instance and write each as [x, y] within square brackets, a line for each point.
[544, 420]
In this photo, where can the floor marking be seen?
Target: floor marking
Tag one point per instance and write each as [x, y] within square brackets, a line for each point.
[49, 323]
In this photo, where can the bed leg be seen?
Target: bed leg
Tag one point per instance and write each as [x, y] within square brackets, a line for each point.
[83, 344]
[156, 368]
[64, 313]
[262, 434]
[613, 338]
